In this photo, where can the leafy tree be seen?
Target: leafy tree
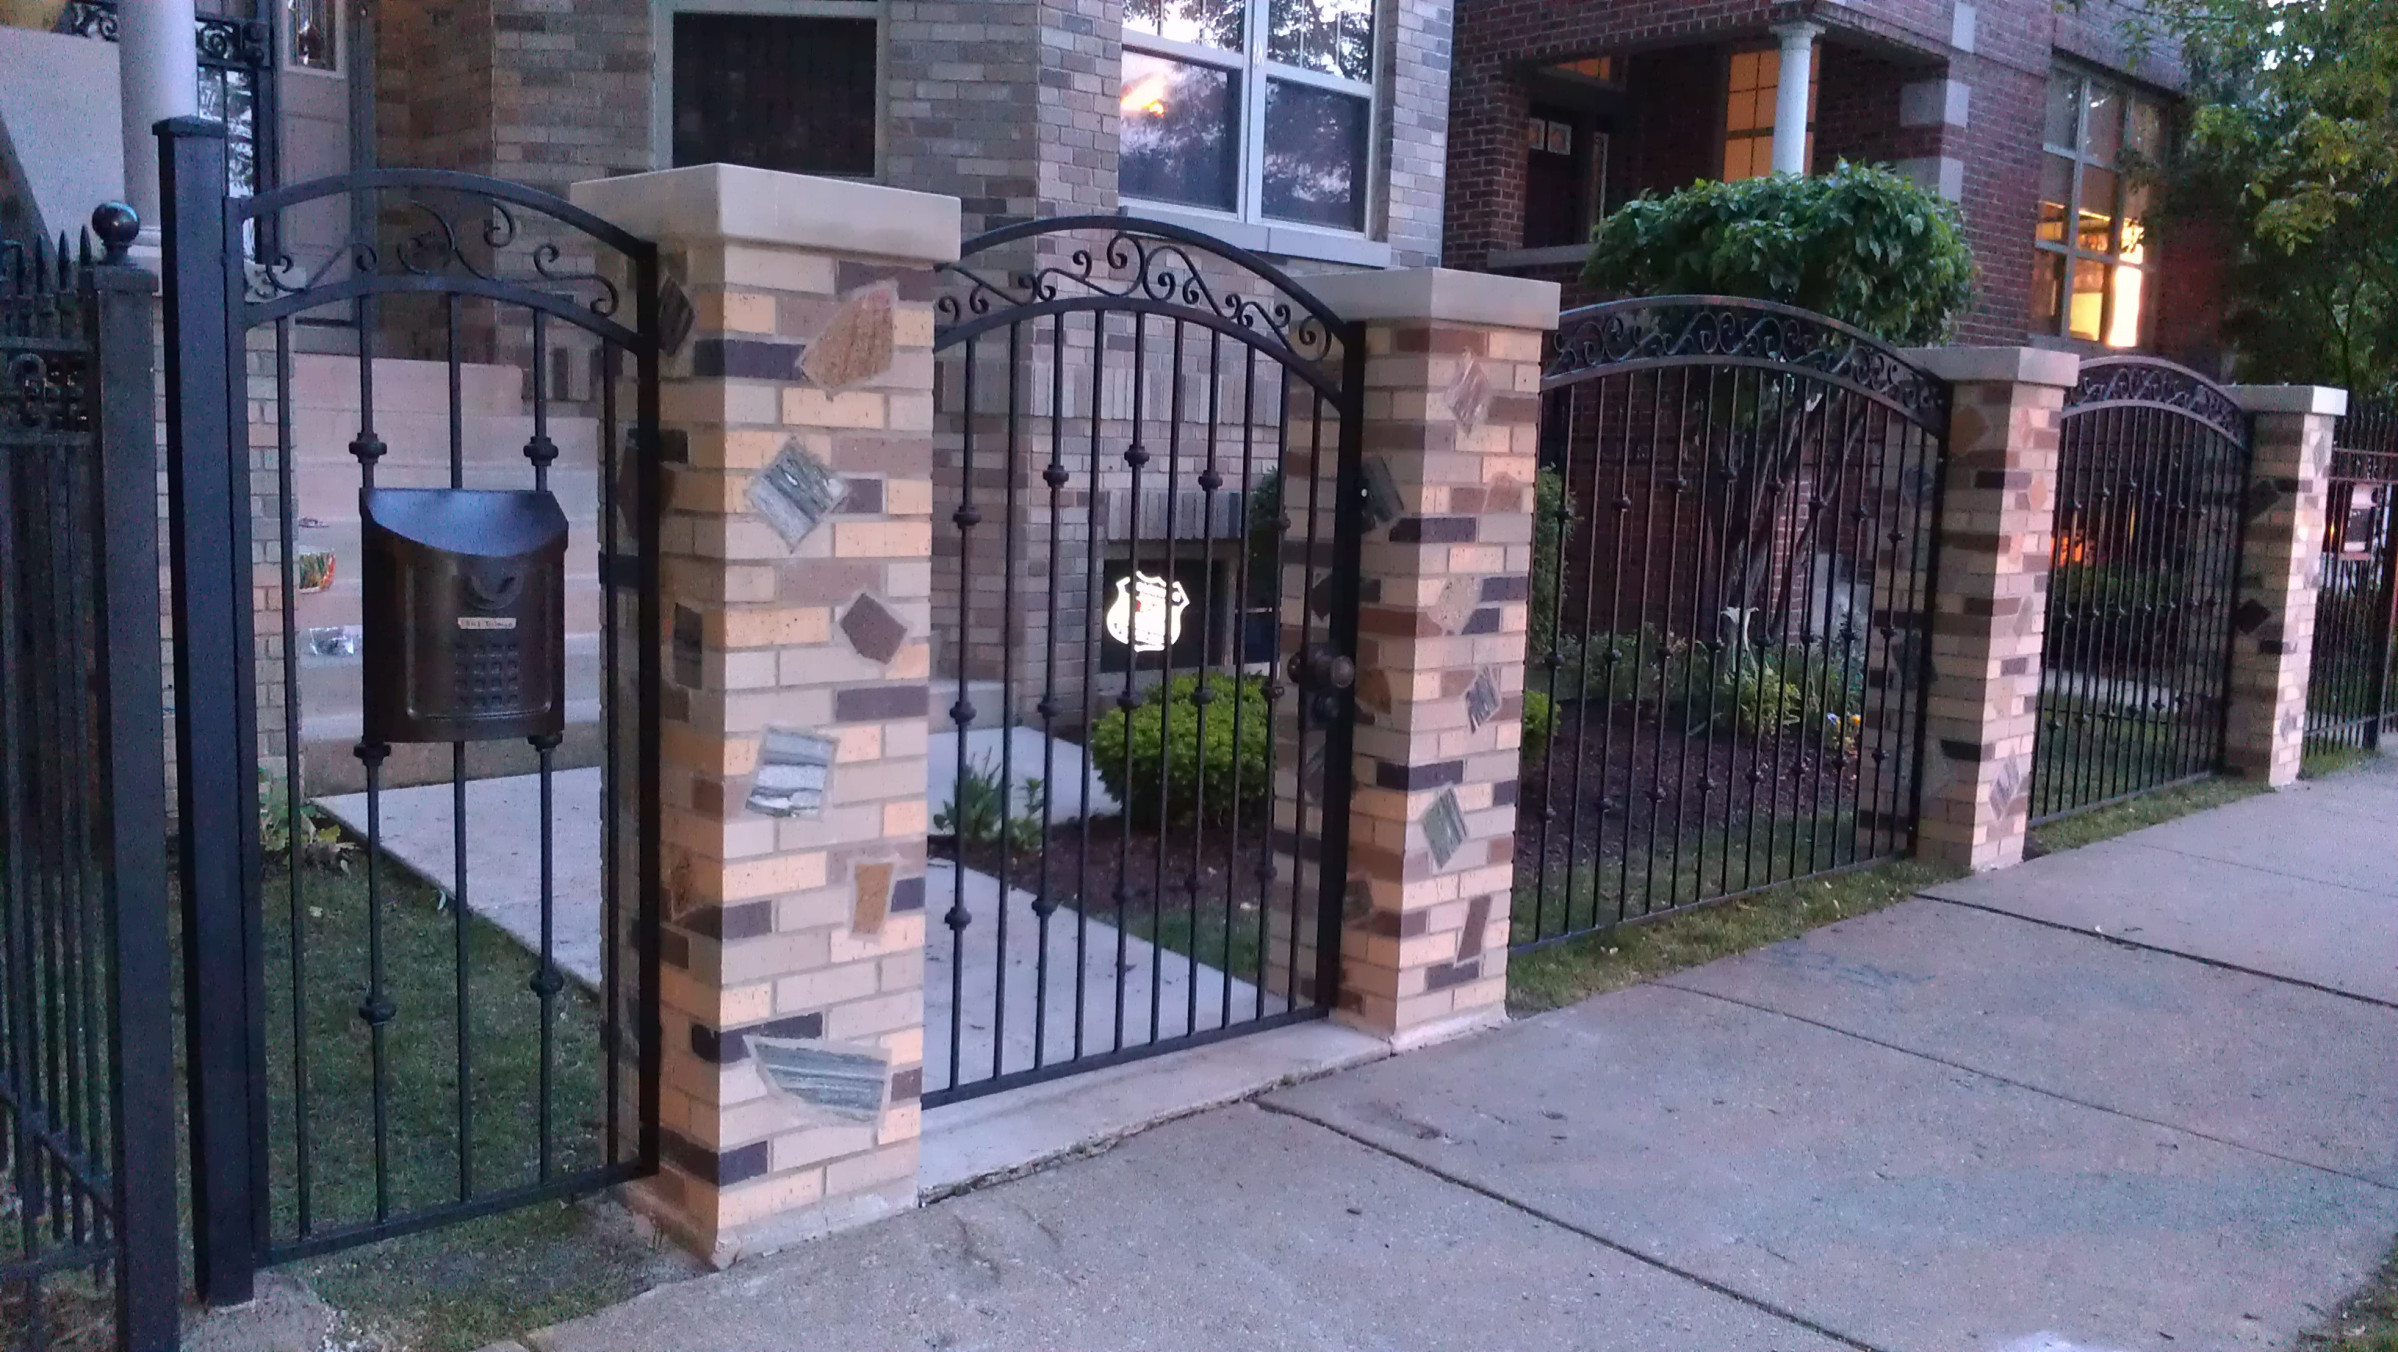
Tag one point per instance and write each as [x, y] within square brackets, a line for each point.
[2295, 142]
[1860, 244]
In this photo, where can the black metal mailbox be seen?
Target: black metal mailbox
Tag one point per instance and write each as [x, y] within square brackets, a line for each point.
[465, 614]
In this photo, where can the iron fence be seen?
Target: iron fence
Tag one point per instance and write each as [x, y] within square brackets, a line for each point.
[2137, 652]
[2351, 698]
[1145, 593]
[87, 1169]
[1734, 537]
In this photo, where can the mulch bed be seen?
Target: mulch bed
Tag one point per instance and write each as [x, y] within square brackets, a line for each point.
[1225, 868]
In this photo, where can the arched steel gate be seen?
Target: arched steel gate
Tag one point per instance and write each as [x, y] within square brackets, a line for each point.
[2141, 588]
[1736, 525]
[1146, 532]
[369, 1053]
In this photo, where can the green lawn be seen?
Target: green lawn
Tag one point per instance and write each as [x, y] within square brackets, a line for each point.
[2367, 1322]
[2115, 819]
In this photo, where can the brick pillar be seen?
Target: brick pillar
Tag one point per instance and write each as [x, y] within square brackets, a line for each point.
[2281, 567]
[1452, 417]
[798, 431]
[1990, 599]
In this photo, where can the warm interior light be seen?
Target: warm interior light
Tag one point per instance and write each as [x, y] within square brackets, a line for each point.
[2124, 329]
[1147, 95]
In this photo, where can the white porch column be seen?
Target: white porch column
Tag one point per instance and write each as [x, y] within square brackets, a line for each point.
[158, 63]
[1790, 97]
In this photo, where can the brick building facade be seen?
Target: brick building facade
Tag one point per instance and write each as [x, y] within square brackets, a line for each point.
[2000, 105]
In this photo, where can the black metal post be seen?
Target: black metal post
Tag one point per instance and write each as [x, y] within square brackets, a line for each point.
[1340, 732]
[216, 787]
[149, 1275]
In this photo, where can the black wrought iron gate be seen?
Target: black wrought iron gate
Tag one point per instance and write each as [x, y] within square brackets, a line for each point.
[2137, 655]
[1144, 614]
[417, 663]
[2351, 696]
[87, 1143]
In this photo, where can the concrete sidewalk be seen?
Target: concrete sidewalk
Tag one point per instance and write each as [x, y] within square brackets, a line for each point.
[2141, 1097]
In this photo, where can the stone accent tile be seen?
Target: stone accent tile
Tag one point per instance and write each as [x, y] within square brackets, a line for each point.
[872, 629]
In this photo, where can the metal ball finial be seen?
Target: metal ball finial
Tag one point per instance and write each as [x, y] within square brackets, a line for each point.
[116, 224]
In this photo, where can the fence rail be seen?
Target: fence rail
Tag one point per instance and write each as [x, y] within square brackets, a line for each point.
[1732, 576]
[87, 1167]
[2352, 698]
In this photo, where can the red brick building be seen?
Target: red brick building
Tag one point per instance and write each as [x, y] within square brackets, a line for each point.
[2031, 116]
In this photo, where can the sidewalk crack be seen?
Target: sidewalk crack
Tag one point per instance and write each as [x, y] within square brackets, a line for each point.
[1646, 1260]
[2029, 1087]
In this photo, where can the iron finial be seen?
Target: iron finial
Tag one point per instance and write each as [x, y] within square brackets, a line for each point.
[116, 224]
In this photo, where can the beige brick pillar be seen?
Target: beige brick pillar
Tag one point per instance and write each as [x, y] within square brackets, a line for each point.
[2281, 566]
[1990, 599]
[796, 565]
[1452, 417]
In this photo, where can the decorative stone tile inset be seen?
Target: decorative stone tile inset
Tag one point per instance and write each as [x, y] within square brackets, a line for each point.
[676, 316]
[873, 630]
[795, 493]
[1482, 698]
[874, 899]
[1444, 827]
[793, 767]
[1383, 502]
[1469, 394]
[844, 1080]
[856, 344]
[687, 636]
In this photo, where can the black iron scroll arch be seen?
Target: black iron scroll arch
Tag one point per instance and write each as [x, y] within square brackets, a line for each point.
[1665, 331]
[1148, 267]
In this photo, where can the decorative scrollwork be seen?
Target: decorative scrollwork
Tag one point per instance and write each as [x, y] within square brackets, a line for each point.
[2364, 467]
[463, 236]
[1699, 329]
[2159, 384]
[88, 19]
[43, 392]
[1135, 264]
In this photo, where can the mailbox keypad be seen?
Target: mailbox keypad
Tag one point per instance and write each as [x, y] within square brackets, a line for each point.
[487, 672]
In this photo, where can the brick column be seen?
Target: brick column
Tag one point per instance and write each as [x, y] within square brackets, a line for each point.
[797, 546]
[2281, 568]
[1989, 609]
[1452, 426]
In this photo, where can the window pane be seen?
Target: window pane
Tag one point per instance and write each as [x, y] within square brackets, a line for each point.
[2089, 303]
[315, 29]
[2123, 330]
[1333, 36]
[2144, 130]
[2056, 196]
[2048, 291]
[2102, 133]
[2064, 111]
[1315, 156]
[1216, 23]
[2094, 227]
[2136, 201]
[775, 92]
[1178, 132]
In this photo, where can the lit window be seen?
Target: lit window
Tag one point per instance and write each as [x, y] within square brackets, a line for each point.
[1261, 109]
[1751, 99]
[2089, 272]
[312, 33]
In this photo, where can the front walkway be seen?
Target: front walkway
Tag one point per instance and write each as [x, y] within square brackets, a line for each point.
[2142, 1097]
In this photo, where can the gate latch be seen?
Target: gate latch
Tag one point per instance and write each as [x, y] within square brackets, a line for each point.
[1323, 670]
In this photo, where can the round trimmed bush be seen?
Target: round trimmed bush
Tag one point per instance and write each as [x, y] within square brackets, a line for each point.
[1160, 739]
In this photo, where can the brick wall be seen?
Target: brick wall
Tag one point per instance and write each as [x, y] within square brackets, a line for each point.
[2001, 50]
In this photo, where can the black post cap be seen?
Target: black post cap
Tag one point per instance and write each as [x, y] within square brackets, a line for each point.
[116, 224]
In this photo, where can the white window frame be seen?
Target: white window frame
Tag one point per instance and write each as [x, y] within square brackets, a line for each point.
[2069, 248]
[341, 42]
[1253, 69]
[661, 91]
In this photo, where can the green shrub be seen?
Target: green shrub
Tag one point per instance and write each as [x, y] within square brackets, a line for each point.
[1540, 720]
[1552, 518]
[1803, 689]
[979, 815]
[1860, 244]
[1163, 733]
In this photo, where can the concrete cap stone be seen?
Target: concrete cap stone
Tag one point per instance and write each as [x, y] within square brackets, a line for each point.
[2317, 399]
[761, 206]
[2000, 365]
[1440, 294]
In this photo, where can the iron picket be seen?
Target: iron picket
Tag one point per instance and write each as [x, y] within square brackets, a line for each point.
[2352, 700]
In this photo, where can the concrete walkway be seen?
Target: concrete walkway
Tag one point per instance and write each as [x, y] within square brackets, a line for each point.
[2141, 1097]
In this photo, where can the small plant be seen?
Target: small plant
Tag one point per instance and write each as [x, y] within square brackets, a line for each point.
[1158, 743]
[1540, 722]
[321, 843]
[979, 814]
